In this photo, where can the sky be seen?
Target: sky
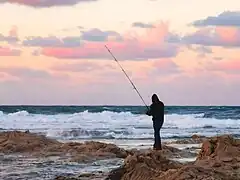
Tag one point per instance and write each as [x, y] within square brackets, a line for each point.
[52, 52]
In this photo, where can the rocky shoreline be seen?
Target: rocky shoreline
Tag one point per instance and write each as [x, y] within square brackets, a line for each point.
[219, 157]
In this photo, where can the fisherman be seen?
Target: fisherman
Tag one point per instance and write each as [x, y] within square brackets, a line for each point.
[157, 112]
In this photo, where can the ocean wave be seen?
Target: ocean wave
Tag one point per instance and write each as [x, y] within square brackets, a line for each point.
[218, 112]
[110, 125]
[113, 135]
[92, 133]
[108, 118]
[19, 113]
[96, 134]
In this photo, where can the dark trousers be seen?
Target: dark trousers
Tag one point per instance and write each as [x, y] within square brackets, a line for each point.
[157, 125]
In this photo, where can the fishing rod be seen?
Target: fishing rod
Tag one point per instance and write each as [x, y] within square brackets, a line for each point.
[134, 87]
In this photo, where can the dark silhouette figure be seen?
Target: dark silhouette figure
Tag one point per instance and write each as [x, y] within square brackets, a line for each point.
[157, 112]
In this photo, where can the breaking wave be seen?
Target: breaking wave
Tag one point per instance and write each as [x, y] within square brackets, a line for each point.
[115, 125]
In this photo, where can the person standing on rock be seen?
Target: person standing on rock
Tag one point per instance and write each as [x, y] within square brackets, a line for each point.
[157, 112]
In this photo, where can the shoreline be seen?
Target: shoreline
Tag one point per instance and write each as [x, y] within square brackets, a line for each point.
[31, 148]
[91, 159]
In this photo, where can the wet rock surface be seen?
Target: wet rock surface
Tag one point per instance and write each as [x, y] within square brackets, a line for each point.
[195, 139]
[219, 159]
[143, 166]
[146, 161]
[38, 145]
[24, 142]
[167, 151]
[85, 176]
[220, 148]
[191, 172]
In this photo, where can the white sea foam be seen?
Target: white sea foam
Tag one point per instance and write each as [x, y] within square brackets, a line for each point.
[110, 125]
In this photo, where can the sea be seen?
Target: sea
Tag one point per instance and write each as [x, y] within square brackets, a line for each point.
[126, 126]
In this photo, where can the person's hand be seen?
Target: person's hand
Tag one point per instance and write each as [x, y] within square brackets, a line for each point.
[148, 113]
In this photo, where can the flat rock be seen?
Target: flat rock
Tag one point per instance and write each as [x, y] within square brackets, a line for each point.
[32, 144]
[195, 139]
[84, 176]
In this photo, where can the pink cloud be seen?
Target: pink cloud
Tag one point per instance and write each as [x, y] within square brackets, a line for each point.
[2, 75]
[148, 46]
[12, 38]
[45, 3]
[201, 88]
[24, 73]
[164, 64]
[13, 31]
[5, 51]
[6, 77]
[225, 33]
[209, 36]
[229, 35]
[164, 67]
[229, 66]
[219, 36]
[83, 67]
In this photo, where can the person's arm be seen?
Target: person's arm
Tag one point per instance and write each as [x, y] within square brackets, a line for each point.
[149, 111]
[163, 108]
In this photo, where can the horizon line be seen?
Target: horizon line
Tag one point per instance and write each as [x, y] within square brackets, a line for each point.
[112, 105]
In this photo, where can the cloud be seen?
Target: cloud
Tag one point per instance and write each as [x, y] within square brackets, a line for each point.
[227, 66]
[72, 28]
[126, 51]
[25, 72]
[45, 3]
[52, 41]
[93, 35]
[98, 35]
[6, 51]
[93, 72]
[142, 25]
[219, 36]
[165, 67]
[218, 58]
[205, 88]
[8, 39]
[12, 38]
[28, 73]
[13, 31]
[39, 92]
[82, 67]
[201, 50]
[36, 52]
[226, 32]
[108, 72]
[173, 38]
[149, 46]
[227, 18]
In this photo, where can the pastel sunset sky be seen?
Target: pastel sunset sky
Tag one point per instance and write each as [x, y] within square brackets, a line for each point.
[52, 51]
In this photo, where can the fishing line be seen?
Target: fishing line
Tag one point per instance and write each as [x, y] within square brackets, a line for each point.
[134, 87]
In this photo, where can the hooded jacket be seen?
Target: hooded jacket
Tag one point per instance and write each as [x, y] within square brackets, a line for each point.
[156, 109]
